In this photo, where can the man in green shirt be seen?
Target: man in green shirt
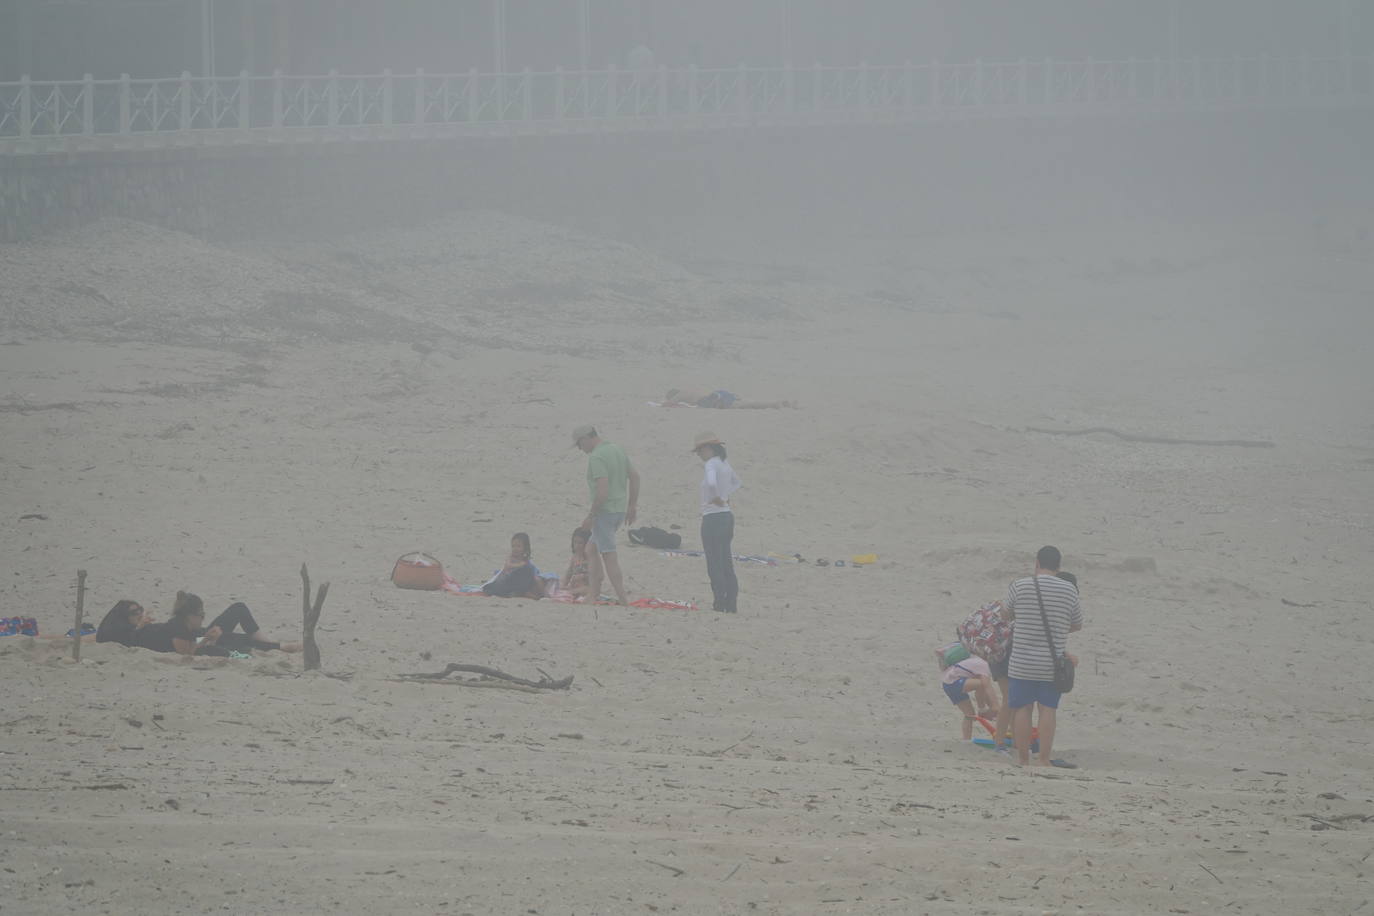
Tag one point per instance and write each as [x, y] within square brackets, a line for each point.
[614, 486]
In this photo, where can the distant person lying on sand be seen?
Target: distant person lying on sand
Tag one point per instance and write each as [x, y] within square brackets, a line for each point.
[721, 400]
[128, 624]
[519, 577]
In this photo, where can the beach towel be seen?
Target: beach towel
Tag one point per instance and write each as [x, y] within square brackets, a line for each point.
[454, 587]
[738, 558]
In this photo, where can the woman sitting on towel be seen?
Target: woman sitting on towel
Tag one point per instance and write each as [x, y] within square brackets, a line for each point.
[128, 624]
[720, 399]
[576, 580]
[519, 578]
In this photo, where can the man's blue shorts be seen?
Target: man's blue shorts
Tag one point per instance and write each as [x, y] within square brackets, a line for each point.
[956, 692]
[1023, 692]
[604, 527]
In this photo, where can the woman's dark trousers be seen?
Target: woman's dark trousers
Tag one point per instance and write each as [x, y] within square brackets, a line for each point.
[238, 616]
[717, 533]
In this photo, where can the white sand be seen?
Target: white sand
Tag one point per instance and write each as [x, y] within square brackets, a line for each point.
[215, 416]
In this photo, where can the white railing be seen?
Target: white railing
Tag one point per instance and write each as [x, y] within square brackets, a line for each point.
[608, 99]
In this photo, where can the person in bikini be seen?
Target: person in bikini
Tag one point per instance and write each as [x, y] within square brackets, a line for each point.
[576, 580]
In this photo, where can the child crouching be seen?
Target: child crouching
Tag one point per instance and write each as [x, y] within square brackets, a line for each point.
[971, 675]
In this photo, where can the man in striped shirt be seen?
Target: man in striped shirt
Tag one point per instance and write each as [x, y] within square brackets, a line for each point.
[1030, 669]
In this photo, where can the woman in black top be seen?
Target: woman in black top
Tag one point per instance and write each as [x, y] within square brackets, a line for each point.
[122, 623]
[183, 633]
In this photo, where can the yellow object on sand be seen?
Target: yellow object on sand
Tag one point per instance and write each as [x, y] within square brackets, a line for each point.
[864, 559]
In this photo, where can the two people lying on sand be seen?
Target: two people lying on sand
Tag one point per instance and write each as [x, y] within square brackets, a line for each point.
[127, 623]
[720, 399]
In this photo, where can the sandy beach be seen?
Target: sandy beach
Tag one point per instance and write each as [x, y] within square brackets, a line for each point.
[180, 413]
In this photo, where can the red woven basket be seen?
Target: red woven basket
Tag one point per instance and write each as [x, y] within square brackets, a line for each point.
[418, 570]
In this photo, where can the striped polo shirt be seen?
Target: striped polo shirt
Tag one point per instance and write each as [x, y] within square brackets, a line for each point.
[1031, 658]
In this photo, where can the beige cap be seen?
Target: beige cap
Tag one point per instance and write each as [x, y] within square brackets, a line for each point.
[706, 438]
[583, 432]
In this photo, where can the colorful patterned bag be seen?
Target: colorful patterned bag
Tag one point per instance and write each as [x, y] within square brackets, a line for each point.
[986, 633]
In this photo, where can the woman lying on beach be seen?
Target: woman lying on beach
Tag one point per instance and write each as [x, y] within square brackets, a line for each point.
[128, 624]
[720, 399]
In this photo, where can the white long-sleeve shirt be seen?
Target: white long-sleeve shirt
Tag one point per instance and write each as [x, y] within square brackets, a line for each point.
[717, 482]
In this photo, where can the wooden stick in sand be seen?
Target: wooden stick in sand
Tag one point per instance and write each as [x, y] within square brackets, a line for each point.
[311, 614]
[80, 613]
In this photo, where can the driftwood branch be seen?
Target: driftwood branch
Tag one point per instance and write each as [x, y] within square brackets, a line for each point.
[311, 616]
[460, 682]
[544, 683]
[1155, 440]
[80, 614]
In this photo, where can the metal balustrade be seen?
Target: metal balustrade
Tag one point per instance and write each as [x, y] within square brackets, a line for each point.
[136, 113]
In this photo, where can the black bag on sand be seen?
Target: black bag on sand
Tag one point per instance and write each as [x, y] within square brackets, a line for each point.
[1063, 668]
[656, 538]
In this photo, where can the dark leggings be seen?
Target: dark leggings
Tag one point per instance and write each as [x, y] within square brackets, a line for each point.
[717, 532]
[237, 615]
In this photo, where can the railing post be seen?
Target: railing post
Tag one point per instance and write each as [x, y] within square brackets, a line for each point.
[1236, 77]
[25, 107]
[278, 107]
[1131, 87]
[558, 93]
[387, 98]
[418, 117]
[1197, 78]
[789, 90]
[936, 95]
[527, 99]
[1302, 76]
[611, 102]
[908, 87]
[742, 89]
[245, 106]
[662, 92]
[978, 81]
[185, 100]
[125, 97]
[863, 87]
[332, 94]
[474, 95]
[87, 105]
[817, 87]
[693, 99]
[1023, 91]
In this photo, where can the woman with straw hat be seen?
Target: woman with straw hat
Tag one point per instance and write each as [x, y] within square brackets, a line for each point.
[718, 482]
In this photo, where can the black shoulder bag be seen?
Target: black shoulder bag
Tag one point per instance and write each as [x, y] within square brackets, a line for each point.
[1063, 668]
